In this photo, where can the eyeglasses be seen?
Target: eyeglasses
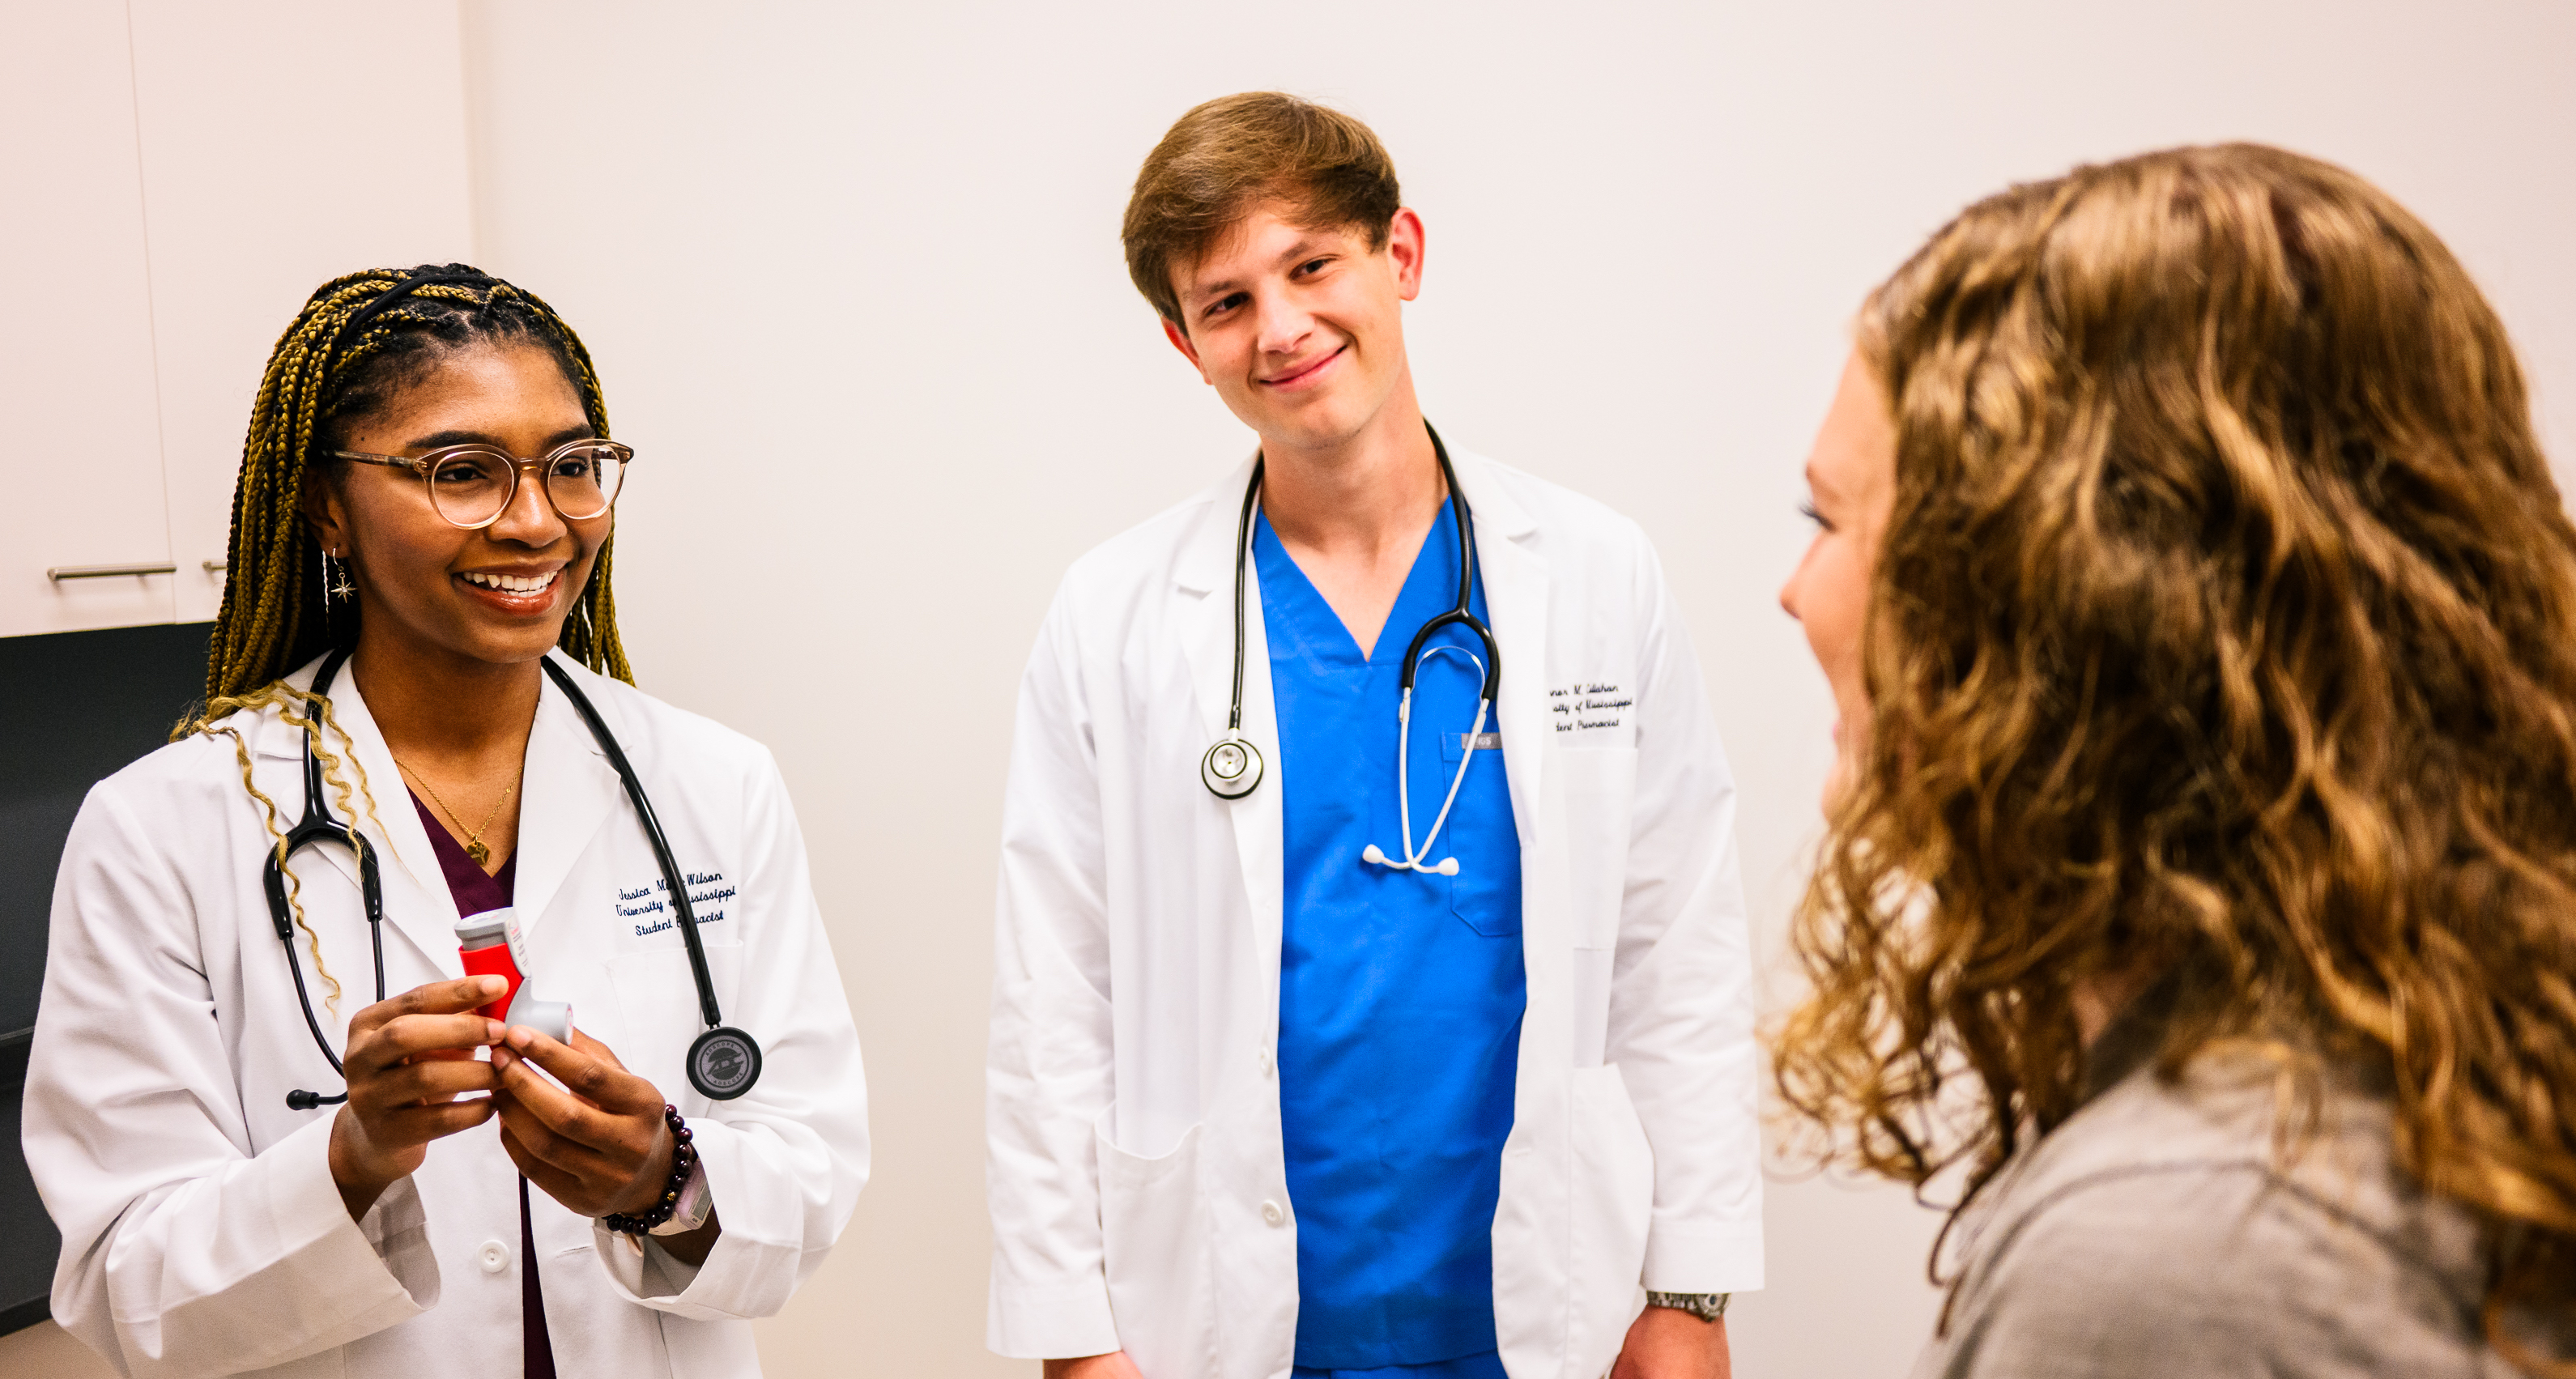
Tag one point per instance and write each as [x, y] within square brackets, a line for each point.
[472, 485]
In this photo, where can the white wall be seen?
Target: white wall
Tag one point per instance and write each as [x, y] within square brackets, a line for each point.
[852, 278]
[862, 308]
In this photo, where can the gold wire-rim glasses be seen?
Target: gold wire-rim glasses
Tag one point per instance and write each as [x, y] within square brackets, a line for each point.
[427, 467]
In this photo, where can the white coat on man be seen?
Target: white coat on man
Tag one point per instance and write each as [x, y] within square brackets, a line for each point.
[1136, 1174]
[202, 1232]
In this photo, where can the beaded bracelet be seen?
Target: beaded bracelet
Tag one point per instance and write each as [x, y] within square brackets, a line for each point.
[684, 1159]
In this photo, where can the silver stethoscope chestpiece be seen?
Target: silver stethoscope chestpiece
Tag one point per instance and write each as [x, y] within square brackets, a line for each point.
[1231, 769]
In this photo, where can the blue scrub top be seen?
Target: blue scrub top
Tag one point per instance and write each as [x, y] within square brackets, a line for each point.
[1400, 994]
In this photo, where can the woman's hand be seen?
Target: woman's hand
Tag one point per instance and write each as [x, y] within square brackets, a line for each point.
[408, 1060]
[598, 1144]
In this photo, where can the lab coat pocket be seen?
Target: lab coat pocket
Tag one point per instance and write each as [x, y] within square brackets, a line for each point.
[657, 1014]
[1613, 1204]
[1154, 1226]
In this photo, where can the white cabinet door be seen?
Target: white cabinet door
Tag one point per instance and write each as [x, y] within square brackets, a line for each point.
[80, 437]
[329, 137]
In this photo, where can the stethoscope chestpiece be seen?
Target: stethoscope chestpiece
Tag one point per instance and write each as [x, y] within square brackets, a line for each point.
[723, 1063]
[1232, 767]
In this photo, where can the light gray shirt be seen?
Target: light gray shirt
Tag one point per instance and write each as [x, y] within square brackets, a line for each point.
[2160, 1232]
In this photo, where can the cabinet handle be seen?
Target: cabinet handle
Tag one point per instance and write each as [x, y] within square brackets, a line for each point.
[63, 572]
[216, 567]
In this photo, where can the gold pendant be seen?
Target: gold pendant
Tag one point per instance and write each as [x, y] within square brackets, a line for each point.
[482, 855]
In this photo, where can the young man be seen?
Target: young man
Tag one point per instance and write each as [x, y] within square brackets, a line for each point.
[1302, 1058]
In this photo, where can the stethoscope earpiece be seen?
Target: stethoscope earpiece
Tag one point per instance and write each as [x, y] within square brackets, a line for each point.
[1375, 855]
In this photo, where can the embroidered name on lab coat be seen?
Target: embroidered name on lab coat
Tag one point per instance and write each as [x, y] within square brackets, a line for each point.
[646, 906]
[1589, 705]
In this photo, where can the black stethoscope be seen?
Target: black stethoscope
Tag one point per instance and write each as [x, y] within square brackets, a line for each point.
[1232, 766]
[722, 1064]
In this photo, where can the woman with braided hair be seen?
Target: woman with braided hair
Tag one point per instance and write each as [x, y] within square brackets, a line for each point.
[2200, 875]
[418, 638]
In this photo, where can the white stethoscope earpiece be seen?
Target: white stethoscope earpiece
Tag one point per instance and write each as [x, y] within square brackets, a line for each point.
[1414, 860]
[1448, 865]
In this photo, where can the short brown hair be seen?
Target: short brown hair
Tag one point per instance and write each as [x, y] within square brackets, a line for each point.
[1227, 154]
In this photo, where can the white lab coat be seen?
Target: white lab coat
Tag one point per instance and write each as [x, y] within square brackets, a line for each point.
[1136, 1175]
[202, 1234]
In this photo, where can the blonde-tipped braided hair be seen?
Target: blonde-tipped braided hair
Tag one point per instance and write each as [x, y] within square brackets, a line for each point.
[360, 339]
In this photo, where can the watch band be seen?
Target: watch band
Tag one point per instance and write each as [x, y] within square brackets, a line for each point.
[1708, 1307]
[690, 1212]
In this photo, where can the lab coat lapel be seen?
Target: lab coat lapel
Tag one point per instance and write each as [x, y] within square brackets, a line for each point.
[1518, 590]
[567, 790]
[1516, 601]
[1203, 571]
[417, 903]
[1204, 617]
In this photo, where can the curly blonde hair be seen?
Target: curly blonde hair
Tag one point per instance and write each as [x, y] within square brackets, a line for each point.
[2224, 626]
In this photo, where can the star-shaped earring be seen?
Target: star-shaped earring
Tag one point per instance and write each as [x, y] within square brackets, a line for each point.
[342, 589]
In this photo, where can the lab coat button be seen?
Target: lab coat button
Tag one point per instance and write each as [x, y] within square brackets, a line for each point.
[494, 1256]
[1271, 1214]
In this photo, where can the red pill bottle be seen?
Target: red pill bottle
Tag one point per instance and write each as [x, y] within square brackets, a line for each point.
[487, 943]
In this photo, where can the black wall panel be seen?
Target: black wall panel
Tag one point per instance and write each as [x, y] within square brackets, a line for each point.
[79, 705]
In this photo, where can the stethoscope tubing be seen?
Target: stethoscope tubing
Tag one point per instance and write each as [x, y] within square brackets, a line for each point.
[317, 826]
[1242, 558]
[1463, 521]
[661, 845]
[1413, 860]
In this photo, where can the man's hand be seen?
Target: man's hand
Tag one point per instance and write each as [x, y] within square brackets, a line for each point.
[1114, 1365]
[408, 1059]
[1668, 1343]
[598, 1144]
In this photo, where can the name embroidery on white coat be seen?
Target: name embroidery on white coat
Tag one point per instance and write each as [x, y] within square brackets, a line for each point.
[1588, 706]
[646, 906]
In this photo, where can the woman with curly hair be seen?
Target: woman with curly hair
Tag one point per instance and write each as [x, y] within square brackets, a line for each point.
[2201, 866]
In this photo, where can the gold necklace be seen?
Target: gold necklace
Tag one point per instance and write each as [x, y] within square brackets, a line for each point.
[473, 844]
